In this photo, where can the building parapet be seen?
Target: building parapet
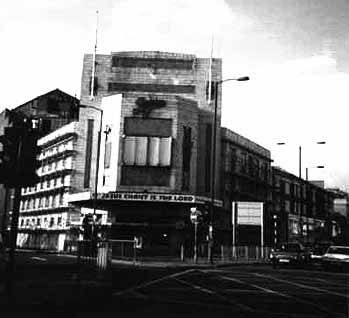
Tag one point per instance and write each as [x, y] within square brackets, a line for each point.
[231, 136]
[70, 128]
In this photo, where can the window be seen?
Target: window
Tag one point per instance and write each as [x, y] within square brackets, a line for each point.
[22, 222]
[59, 221]
[88, 153]
[243, 161]
[57, 199]
[107, 154]
[38, 222]
[67, 181]
[37, 203]
[233, 159]
[52, 222]
[213, 92]
[151, 151]
[61, 199]
[186, 150]
[46, 202]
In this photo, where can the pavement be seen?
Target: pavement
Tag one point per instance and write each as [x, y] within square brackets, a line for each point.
[175, 263]
[165, 261]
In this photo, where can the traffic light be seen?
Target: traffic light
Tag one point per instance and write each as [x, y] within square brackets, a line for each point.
[206, 213]
[87, 223]
[10, 141]
[28, 163]
[19, 151]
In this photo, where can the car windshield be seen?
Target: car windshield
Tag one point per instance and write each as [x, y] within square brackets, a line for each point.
[319, 249]
[338, 250]
[289, 248]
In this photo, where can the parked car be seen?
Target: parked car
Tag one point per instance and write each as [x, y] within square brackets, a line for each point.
[289, 254]
[317, 252]
[336, 257]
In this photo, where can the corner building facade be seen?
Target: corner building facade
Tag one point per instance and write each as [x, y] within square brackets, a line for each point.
[155, 149]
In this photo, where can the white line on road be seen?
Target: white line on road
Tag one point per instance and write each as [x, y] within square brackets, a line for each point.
[132, 289]
[271, 291]
[331, 283]
[302, 285]
[205, 290]
[39, 259]
[267, 290]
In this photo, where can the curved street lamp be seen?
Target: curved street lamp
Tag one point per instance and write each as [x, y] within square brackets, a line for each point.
[213, 157]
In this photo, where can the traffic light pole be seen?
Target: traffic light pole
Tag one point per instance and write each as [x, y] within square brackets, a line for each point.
[10, 277]
[13, 243]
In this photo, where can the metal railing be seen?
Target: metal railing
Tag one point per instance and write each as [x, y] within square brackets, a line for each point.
[99, 255]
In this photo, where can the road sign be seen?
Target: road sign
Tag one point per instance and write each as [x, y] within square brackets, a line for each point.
[195, 215]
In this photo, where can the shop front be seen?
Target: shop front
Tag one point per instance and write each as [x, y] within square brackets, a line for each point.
[160, 222]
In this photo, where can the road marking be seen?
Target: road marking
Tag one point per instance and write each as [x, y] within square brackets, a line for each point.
[330, 283]
[230, 301]
[267, 290]
[271, 291]
[139, 295]
[152, 282]
[302, 285]
[208, 291]
[39, 259]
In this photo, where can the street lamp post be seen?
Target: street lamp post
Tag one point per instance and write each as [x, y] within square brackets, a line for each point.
[213, 158]
[97, 163]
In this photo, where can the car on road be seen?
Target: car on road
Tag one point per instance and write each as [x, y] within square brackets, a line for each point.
[336, 258]
[317, 252]
[289, 254]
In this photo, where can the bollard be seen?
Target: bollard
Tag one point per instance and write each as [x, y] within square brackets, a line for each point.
[182, 252]
[134, 252]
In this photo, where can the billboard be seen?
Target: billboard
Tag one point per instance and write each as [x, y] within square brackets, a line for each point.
[247, 213]
[247, 221]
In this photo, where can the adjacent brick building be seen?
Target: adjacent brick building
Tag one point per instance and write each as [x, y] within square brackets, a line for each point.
[47, 220]
[53, 109]
[301, 210]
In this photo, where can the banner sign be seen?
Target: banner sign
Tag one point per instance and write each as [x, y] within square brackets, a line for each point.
[148, 197]
[142, 197]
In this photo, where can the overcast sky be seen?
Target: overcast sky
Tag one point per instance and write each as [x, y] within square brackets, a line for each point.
[296, 53]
